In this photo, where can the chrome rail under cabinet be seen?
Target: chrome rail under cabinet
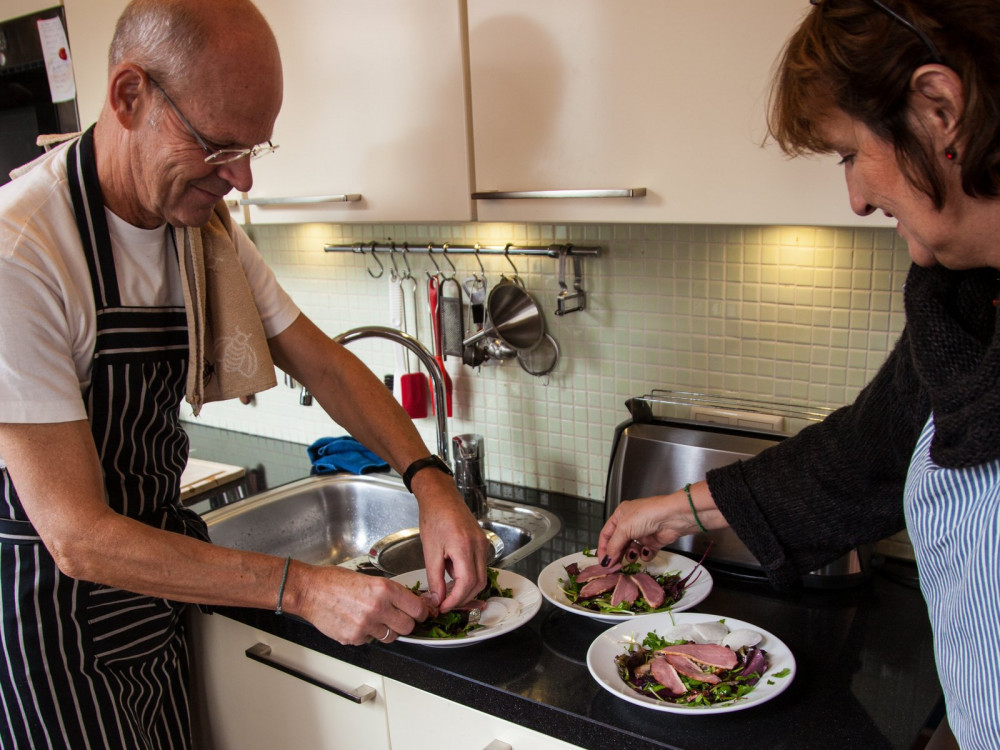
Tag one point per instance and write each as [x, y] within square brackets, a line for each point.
[551, 251]
[537, 194]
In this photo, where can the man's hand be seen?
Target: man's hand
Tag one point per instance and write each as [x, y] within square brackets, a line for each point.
[350, 607]
[452, 540]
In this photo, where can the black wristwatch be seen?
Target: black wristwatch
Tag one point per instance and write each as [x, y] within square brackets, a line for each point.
[423, 463]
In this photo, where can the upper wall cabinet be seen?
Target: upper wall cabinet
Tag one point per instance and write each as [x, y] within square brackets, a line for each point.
[667, 95]
[90, 26]
[374, 106]
[17, 8]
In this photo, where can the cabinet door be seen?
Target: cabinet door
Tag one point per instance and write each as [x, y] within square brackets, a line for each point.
[17, 8]
[374, 104]
[454, 726]
[669, 95]
[242, 703]
[90, 25]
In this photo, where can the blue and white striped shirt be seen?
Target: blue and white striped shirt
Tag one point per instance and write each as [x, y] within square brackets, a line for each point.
[953, 517]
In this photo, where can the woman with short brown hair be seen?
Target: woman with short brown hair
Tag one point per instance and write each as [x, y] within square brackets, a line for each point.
[907, 93]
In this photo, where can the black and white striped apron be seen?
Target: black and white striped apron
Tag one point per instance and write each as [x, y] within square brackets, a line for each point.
[87, 665]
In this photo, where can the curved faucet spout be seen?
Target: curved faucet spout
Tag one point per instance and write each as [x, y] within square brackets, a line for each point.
[404, 339]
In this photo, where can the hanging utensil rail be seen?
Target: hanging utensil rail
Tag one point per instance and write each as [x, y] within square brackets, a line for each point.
[552, 251]
[567, 301]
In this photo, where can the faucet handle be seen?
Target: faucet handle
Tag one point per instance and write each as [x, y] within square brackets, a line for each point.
[468, 447]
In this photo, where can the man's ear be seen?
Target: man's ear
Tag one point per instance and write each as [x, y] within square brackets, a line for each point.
[938, 101]
[125, 85]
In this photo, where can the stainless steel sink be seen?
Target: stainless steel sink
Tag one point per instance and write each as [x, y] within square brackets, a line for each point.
[335, 519]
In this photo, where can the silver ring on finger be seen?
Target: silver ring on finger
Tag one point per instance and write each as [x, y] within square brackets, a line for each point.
[385, 637]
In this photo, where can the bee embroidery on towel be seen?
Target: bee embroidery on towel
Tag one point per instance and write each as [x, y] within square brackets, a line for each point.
[237, 355]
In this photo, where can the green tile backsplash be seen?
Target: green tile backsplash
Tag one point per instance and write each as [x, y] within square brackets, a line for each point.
[800, 314]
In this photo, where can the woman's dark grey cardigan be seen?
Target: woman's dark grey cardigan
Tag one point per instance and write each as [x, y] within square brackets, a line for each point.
[839, 484]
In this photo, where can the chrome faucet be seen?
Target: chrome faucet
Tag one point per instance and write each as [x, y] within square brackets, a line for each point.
[469, 475]
[305, 397]
[404, 339]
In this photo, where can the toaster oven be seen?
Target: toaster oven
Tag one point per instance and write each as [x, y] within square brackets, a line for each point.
[656, 452]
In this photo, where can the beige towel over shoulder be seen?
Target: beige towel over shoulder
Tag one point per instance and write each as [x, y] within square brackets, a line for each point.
[228, 355]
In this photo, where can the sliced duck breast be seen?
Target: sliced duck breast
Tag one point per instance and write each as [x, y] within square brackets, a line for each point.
[651, 591]
[689, 669]
[719, 657]
[626, 590]
[596, 571]
[599, 585]
[428, 600]
[666, 675]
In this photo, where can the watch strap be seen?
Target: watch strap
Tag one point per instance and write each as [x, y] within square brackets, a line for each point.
[423, 463]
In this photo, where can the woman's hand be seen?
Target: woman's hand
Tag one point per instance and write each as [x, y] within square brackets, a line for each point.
[657, 521]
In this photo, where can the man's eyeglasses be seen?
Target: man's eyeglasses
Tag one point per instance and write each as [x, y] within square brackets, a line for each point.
[908, 24]
[221, 155]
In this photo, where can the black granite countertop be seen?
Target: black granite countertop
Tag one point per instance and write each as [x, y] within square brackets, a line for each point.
[866, 676]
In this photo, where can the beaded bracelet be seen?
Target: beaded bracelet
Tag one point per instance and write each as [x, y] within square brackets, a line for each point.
[281, 591]
[687, 489]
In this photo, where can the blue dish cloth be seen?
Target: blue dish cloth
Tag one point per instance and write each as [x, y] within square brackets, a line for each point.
[332, 454]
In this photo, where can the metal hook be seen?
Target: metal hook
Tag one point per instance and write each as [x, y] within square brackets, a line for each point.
[381, 268]
[482, 270]
[408, 274]
[430, 254]
[506, 254]
[392, 256]
[454, 271]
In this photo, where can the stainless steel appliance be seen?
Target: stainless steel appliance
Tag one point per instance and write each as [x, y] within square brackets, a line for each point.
[674, 438]
[27, 109]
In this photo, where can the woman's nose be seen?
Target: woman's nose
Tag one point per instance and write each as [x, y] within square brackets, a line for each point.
[859, 204]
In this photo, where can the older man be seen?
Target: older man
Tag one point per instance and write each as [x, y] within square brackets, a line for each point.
[105, 298]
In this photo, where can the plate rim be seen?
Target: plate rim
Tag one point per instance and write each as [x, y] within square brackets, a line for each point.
[506, 578]
[613, 637]
[559, 565]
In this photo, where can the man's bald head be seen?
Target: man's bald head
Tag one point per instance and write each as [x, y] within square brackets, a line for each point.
[175, 40]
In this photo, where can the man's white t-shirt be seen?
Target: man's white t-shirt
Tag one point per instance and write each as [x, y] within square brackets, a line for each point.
[48, 321]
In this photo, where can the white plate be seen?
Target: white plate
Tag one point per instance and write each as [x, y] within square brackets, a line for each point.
[548, 583]
[613, 641]
[500, 616]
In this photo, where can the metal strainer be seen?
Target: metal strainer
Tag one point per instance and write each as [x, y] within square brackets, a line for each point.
[540, 359]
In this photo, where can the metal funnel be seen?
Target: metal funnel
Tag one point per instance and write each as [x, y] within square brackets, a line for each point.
[513, 316]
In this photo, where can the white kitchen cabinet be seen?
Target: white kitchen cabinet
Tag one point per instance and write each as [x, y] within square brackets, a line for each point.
[18, 8]
[444, 724]
[374, 105]
[668, 95]
[242, 703]
[90, 24]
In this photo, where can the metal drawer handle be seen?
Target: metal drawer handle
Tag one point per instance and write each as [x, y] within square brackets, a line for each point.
[298, 201]
[261, 652]
[511, 194]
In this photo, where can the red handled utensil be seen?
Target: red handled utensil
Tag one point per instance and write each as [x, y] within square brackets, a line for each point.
[433, 286]
[412, 385]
